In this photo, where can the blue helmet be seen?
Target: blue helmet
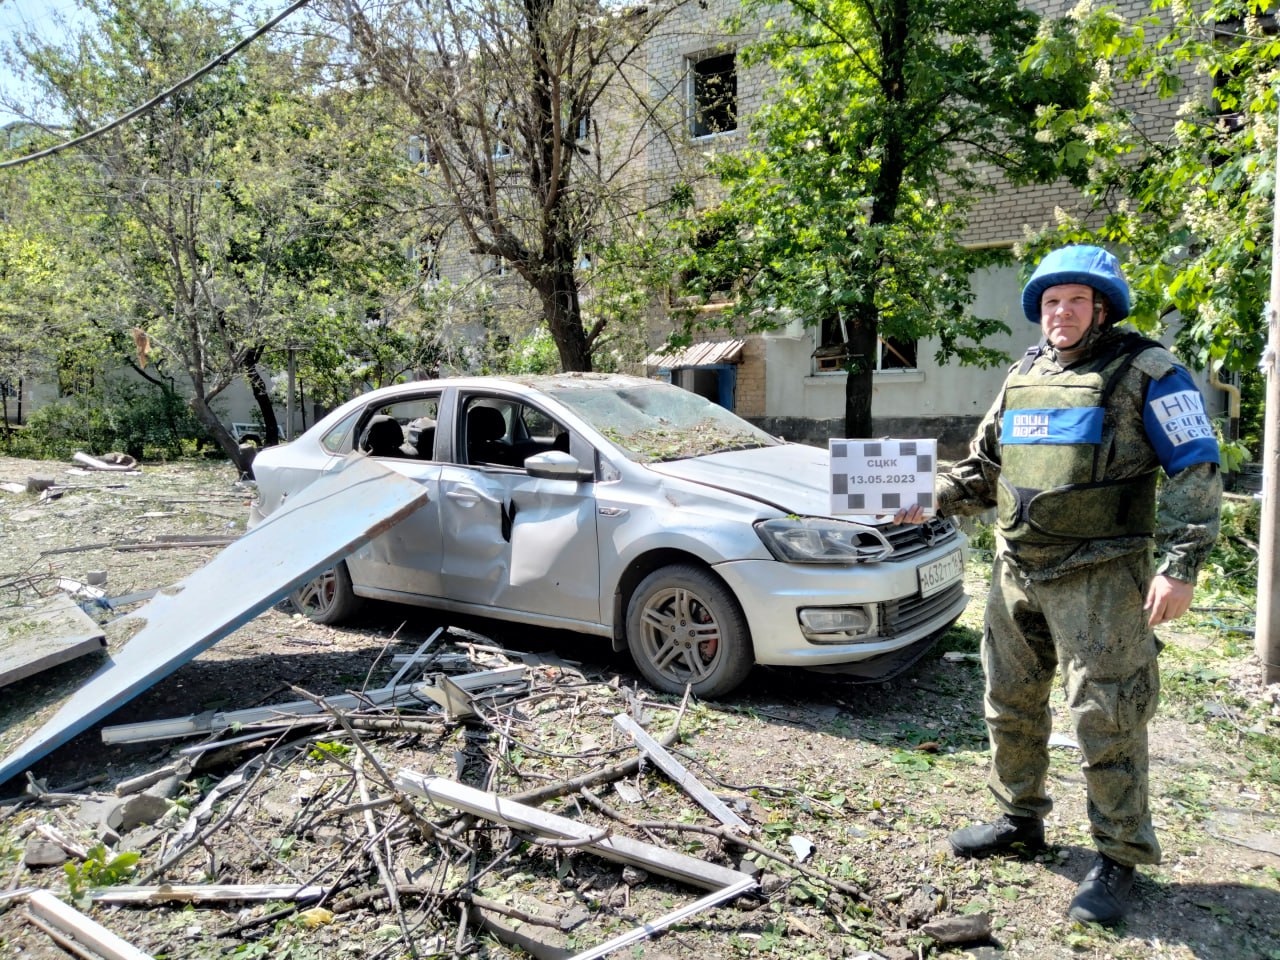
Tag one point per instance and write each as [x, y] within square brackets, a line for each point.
[1092, 266]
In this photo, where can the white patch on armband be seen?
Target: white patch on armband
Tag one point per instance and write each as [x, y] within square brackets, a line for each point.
[1182, 416]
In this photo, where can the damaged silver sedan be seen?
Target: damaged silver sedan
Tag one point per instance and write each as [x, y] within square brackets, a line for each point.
[632, 510]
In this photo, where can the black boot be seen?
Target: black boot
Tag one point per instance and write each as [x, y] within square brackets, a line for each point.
[1005, 833]
[1101, 895]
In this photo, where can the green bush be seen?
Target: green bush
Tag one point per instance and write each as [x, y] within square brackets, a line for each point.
[136, 419]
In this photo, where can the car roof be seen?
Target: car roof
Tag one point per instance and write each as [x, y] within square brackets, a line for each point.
[543, 382]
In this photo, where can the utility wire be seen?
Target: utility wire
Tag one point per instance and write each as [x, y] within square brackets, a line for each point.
[186, 81]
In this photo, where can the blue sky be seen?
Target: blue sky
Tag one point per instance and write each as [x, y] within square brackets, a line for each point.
[43, 17]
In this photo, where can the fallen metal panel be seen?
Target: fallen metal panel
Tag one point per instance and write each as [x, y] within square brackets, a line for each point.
[668, 863]
[677, 772]
[278, 713]
[75, 924]
[313, 529]
[44, 635]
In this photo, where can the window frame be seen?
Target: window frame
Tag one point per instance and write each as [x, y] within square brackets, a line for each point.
[698, 124]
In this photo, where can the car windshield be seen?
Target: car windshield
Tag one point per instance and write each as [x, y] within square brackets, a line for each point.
[650, 422]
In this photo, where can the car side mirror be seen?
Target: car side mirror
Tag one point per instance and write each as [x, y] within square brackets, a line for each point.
[555, 465]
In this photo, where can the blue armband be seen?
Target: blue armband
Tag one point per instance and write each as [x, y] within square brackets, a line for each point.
[1176, 423]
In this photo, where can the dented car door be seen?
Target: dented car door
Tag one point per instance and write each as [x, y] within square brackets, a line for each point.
[519, 542]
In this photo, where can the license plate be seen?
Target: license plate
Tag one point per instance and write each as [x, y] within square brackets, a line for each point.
[941, 573]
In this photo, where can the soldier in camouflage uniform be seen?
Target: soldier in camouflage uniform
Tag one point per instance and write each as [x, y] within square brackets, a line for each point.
[1069, 456]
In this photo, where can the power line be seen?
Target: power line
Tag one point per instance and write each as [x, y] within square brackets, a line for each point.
[186, 81]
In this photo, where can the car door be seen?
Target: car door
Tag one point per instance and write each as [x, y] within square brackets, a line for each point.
[513, 541]
[405, 559]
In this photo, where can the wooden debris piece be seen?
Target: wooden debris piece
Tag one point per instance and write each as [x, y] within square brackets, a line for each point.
[80, 928]
[542, 943]
[110, 462]
[677, 772]
[175, 544]
[667, 863]
[51, 632]
[206, 892]
[407, 663]
[124, 788]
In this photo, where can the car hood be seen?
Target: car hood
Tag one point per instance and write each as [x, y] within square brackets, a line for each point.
[792, 477]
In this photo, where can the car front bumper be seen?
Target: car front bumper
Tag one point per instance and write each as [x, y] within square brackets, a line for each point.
[773, 595]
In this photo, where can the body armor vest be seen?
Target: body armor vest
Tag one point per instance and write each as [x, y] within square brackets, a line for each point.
[1052, 487]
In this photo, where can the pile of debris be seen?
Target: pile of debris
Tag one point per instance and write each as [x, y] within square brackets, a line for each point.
[472, 802]
[415, 816]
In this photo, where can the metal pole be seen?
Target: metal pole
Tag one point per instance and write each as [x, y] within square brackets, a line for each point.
[1267, 639]
[288, 403]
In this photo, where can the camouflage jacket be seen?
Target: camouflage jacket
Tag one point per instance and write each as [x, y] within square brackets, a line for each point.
[1189, 498]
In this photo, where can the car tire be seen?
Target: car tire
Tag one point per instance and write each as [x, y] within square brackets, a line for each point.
[328, 597]
[684, 626]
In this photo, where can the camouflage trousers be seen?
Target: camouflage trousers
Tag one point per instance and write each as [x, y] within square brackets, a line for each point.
[1091, 622]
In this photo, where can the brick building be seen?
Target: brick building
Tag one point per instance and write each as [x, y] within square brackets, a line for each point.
[703, 98]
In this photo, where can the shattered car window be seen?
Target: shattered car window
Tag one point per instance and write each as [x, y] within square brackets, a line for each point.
[657, 422]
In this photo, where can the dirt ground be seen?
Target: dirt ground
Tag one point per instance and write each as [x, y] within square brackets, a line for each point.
[850, 790]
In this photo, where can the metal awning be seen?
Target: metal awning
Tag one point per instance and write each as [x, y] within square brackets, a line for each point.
[698, 355]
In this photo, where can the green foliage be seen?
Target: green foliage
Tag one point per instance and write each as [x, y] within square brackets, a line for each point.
[261, 210]
[1231, 573]
[99, 869]
[535, 353]
[849, 206]
[138, 419]
[1198, 187]
[323, 749]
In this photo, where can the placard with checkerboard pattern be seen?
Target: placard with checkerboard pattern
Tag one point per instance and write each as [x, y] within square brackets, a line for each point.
[880, 477]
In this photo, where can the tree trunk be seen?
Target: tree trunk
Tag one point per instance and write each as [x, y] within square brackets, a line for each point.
[261, 396]
[209, 420]
[863, 342]
[563, 313]
[886, 188]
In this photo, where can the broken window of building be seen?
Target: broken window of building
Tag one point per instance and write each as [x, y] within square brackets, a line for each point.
[713, 95]
[832, 355]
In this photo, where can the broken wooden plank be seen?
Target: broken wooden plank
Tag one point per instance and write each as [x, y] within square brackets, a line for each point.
[48, 633]
[81, 929]
[206, 892]
[280, 713]
[415, 657]
[174, 544]
[668, 863]
[677, 772]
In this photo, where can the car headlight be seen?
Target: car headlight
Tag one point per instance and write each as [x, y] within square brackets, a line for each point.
[822, 540]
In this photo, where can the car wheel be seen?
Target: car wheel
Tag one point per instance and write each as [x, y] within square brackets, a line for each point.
[685, 627]
[329, 597]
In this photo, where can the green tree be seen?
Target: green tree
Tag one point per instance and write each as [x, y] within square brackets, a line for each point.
[526, 113]
[253, 210]
[1180, 180]
[888, 119]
